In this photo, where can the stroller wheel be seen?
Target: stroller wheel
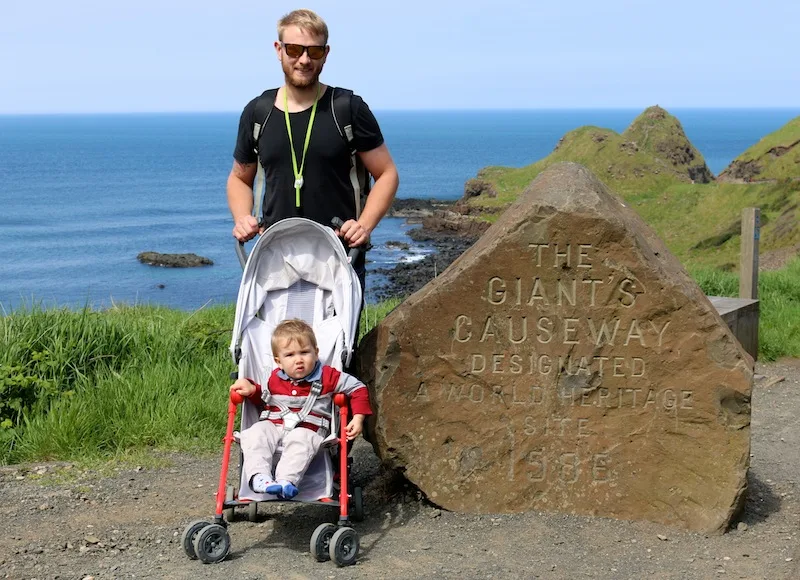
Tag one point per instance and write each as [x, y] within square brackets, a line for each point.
[228, 513]
[252, 511]
[320, 542]
[189, 534]
[212, 544]
[344, 546]
[357, 506]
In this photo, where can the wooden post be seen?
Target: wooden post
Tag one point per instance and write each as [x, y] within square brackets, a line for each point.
[748, 265]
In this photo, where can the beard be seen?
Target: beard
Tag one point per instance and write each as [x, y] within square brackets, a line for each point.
[298, 79]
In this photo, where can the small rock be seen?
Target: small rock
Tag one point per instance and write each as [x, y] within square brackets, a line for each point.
[662, 537]
[92, 540]
[436, 513]
[741, 526]
[173, 260]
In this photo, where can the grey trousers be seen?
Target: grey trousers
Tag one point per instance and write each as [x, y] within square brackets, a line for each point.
[260, 441]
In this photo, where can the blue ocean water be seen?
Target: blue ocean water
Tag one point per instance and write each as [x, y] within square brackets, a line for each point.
[81, 196]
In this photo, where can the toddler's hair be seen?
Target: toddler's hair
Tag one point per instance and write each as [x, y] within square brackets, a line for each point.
[293, 329]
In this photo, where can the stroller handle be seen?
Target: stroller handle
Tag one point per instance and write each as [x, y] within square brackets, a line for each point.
[336, 222]
[354, 252]
[241, 254]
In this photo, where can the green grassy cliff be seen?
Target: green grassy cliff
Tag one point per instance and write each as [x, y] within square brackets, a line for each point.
[775, 157]
[656, 169]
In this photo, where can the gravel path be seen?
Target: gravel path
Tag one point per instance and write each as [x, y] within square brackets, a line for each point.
[62, 522]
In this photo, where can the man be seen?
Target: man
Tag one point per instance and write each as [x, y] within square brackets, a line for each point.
[306, 161]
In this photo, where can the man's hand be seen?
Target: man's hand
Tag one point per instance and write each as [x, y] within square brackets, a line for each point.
[245, 228]
[353, 233]
[354, 427]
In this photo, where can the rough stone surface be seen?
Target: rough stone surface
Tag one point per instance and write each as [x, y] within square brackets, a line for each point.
[566, 362]
[173, 260]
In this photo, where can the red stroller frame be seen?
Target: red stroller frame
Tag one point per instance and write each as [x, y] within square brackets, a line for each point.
[211, 543]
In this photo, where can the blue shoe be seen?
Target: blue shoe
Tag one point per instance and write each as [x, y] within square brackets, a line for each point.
[261, 483]
[274, 488]
[289, 490]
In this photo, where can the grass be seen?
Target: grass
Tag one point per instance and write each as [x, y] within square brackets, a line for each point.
[134, 382]
[779, 305]
[88, 385]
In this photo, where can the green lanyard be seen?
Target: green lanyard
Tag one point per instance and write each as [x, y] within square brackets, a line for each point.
[298, 175]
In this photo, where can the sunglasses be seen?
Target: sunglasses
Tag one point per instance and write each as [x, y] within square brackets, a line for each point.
[297, 50]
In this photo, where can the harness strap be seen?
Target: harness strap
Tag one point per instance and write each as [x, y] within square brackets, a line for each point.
[292, 419]
[320, 422]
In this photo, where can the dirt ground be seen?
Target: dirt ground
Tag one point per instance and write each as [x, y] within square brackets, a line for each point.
[63, 522]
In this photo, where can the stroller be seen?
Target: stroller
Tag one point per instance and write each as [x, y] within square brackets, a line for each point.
[297, 269]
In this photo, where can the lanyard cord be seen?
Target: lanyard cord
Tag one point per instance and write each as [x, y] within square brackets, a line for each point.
[298, 175]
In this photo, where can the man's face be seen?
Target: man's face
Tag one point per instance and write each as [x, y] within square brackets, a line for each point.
[300, 71]
[296, 358]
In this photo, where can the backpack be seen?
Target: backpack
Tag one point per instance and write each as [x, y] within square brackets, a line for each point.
[343, 119]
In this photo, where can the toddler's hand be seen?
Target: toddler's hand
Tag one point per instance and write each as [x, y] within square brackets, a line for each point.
[354, 427]
[243, 387]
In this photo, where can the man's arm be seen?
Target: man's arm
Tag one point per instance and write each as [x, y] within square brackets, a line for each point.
[240, 200]
[380, 164]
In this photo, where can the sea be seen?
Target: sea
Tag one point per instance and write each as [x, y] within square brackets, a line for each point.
[82, 195]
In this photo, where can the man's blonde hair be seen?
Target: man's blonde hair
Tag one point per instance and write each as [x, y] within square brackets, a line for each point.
[293, 329]
[306, 20]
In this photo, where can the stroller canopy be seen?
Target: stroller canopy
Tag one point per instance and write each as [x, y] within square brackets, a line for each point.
[297, 269]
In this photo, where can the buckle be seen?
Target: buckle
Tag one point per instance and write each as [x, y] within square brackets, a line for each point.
[290, 421]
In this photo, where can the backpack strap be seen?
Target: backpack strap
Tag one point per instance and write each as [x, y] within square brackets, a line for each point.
[261, 113]
[342, 109]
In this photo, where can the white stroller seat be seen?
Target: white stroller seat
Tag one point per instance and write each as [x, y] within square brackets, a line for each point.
[297, 269]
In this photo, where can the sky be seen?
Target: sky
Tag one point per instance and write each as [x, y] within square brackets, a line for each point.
[87, 56]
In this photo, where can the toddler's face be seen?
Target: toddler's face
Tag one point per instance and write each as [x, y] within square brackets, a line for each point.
[296, 358]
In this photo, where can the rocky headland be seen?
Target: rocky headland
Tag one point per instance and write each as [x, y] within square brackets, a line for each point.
[654, 167]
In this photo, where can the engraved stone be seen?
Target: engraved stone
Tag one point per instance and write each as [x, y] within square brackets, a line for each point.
[566, 362]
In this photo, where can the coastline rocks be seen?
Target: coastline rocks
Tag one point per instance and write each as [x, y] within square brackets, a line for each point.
[741, 171]
[415, 209]
[448, 231]
[173, 260]
[477, 186]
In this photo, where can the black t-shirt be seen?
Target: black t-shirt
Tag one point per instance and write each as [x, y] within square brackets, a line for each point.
[327, 191]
